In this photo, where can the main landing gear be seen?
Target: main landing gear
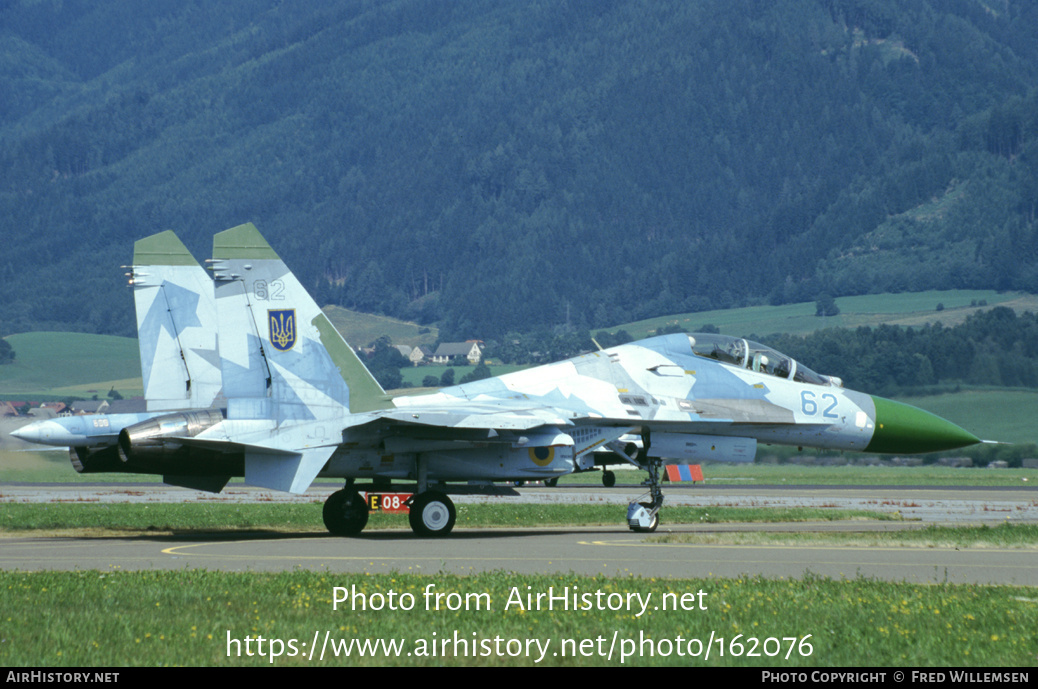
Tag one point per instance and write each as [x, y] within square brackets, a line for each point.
[432, 513]
[345, 513]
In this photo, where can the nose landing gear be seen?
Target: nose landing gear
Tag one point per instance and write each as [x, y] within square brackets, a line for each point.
[644, 517]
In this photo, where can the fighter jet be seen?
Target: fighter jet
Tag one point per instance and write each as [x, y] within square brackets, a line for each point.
[279, 398]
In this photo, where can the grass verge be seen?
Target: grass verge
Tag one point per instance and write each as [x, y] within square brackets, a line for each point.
[214, 517]
[201, 618]
[1004, 535]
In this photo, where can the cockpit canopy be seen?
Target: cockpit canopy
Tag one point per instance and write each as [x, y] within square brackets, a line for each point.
[755, 357]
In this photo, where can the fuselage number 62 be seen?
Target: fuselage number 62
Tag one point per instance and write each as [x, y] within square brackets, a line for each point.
[810, 405]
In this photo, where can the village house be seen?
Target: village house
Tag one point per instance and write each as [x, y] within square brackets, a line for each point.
[420, 354]
[452, 351]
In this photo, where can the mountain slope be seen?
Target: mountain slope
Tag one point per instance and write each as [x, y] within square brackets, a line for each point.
[497, 166]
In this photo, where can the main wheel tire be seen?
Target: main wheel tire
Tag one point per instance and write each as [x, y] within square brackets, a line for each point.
[345, 513]
[432, 514]
[608, 478]
[552, 482]
[655, 520]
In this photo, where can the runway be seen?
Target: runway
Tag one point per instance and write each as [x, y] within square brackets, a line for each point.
[611, 551]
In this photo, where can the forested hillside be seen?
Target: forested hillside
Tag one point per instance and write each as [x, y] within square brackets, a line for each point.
[496, 166]
[995, 347]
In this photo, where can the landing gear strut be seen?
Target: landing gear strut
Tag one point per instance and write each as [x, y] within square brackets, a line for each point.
[644, 517]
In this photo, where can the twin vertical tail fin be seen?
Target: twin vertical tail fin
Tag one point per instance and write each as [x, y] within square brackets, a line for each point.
[250, 338]
[176, 325]
[281, 358]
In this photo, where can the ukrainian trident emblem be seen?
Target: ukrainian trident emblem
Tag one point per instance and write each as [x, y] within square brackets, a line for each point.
[282, 328]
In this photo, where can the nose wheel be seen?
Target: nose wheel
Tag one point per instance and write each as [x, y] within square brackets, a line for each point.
[644, 517]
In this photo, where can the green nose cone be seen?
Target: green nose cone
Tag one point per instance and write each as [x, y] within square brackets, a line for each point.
[904, 429]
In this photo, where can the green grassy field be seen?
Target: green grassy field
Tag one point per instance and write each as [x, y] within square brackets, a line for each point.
[122, 518]
[1004, 535]
[202, 618]
[199, 618]
[58, 364]
[914, 308]
[360, 329]
[414, 375]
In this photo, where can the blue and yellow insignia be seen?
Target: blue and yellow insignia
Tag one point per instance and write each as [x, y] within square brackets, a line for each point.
[542, 456]
[282, 328]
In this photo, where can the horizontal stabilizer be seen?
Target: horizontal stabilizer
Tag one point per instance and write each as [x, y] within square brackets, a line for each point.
[290, 474]
[219, 445]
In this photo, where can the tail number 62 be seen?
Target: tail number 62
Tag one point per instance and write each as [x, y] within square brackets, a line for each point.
[809, 404]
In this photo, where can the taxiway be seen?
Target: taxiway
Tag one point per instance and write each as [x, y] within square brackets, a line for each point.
[611, 551]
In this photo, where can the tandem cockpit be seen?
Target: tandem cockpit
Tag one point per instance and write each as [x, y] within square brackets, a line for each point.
[737, 351]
